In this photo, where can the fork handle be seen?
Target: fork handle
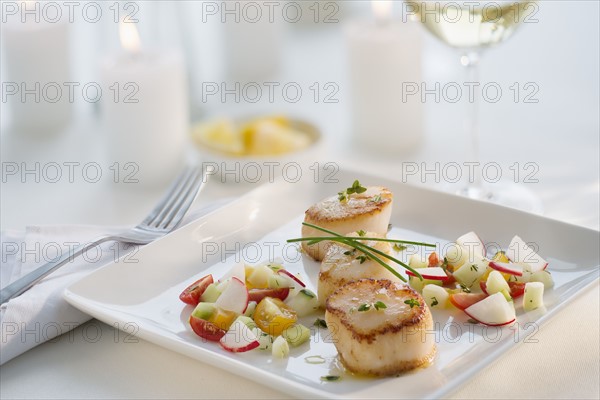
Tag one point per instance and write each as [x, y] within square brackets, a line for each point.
[24, 283]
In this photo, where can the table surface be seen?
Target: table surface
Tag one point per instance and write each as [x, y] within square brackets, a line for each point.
[555, 134]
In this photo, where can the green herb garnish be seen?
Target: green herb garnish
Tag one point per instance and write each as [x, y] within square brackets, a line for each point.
[379, 305]
[361, 233]
[434, 302]
[330, 378]
[465, 288]
[308, 293]
[320, 323]
[375, 199]
[349, 252]
[472, 321]
[412, 302]
[358, 244]
[355, 188]
[364, 307]
[362, 258]
[474, 268]
[399, 247]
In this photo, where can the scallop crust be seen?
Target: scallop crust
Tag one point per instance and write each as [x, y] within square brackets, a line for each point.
[368, 211]
[385, 342]
[338, 268]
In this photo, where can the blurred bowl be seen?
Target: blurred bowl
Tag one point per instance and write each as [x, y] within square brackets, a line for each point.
[257, 169]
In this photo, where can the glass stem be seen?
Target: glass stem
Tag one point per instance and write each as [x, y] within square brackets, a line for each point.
[470, 61]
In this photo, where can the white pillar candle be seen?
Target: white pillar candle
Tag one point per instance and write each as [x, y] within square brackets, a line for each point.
[383, 56]
[36, 57]
[147, 123]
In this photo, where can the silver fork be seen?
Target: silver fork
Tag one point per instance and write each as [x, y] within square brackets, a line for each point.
[164, 218]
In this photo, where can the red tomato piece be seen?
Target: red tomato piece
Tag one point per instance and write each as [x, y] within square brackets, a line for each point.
[465, 300]
[191, 294]
[434, 260]
[516, 289]
[258, 294]
[206, 330]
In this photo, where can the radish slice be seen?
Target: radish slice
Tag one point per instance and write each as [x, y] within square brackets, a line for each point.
[513, 269]
[239, 338]
[235, 297]
[289, 275]
[473, 244]
[433, 273]
[494, 310]
[237, 271]
[520, 252]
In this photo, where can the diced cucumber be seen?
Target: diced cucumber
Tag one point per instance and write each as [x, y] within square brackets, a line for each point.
[435, 296]
[264, 339]
[250, 309]
[249, 322]
[506, 295]
[534, 296]
[296, 334]
[469, 273]
[304, 302]
[416, 261]
[544, 277]
[418, 284]
[204, 310]
[259, 278]
[211, 294]
[281, 348]
[277, 281]
[496, 283]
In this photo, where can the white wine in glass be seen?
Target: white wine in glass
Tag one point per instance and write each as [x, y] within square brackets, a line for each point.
[470, 26]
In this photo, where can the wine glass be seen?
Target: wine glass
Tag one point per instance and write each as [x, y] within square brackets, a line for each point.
[471, 27]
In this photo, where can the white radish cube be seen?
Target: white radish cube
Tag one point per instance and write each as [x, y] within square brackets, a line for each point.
[544, 277]
[534, 296]
[496, 283]
[520, 252]
[435, 296]
[259, 278]
[494, 310]
[473, 244]
[456, 256]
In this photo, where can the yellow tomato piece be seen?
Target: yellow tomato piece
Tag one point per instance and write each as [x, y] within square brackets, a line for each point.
[223, 318]
[500, 256]
[273, 316]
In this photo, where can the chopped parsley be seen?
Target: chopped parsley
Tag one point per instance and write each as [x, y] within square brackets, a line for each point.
[355, 188]
[361, 233]
[434, 302]
[399, 247]
[320, 323]
[412, 302]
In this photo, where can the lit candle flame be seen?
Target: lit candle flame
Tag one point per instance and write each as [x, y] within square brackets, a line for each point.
[382, 9]
[129, 36]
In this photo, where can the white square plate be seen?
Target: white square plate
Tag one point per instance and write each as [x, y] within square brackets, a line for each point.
[256, 226]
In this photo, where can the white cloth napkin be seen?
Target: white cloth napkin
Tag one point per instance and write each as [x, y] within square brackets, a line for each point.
[41, 313]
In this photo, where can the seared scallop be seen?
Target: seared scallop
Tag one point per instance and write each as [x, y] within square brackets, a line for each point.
[343, 264]
[367, 211]
[380, 327]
